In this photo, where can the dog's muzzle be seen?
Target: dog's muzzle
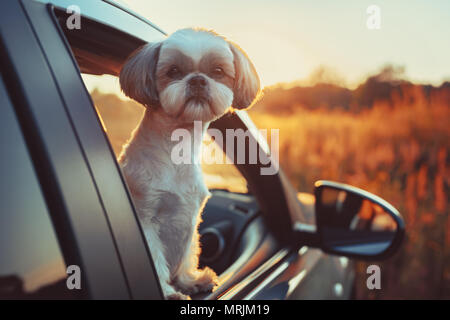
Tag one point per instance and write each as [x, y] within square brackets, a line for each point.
[197, 88]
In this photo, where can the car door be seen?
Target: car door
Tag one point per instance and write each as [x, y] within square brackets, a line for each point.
[79, 208]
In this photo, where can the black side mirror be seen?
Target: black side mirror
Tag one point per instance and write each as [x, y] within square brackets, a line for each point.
[355, 223]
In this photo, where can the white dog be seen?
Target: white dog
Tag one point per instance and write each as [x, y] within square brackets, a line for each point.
[193, 75]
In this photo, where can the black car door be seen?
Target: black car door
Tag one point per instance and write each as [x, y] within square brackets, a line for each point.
[57, 126]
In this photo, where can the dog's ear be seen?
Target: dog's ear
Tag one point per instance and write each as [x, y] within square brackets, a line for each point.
[246, 81]
[137, 77]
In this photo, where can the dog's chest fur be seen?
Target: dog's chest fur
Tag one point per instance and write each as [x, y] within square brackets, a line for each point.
[168, 197]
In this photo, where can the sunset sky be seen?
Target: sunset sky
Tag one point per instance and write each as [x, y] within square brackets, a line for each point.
[288, 39]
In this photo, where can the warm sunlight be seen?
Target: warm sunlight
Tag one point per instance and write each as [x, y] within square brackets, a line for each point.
[287, 40]
[290, 152]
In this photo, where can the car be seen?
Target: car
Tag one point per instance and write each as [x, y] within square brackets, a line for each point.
[66, 210]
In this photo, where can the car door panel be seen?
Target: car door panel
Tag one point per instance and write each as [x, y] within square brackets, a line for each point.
[65, 178]
[109, 183]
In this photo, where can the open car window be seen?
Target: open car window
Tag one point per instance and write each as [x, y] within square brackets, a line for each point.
[100, 54]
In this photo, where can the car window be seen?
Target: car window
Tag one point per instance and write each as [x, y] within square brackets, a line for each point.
[32, 265]
[100, 53]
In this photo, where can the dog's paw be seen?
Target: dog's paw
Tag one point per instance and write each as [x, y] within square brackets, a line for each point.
[178, 296]
[207, 281]
[204, 282]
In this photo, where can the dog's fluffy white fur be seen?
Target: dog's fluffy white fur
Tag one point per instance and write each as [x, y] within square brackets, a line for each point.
[192, 75]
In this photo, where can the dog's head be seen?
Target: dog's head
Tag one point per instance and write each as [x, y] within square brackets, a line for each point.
[194, 74]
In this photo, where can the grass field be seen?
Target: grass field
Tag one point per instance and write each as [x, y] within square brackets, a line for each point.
[400, 152]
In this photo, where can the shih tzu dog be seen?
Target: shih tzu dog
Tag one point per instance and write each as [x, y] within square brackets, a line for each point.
[193, 75]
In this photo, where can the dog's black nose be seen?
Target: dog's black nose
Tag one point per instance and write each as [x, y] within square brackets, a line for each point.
[197, 82]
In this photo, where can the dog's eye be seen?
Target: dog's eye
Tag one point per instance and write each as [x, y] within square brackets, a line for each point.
[174, 72]
[218, 72]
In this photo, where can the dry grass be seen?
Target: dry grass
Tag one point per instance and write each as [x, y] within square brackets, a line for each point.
[400, 153]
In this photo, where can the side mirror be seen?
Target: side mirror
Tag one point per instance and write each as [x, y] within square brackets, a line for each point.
[355, 223]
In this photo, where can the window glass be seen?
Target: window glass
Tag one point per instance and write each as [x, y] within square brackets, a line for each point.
[31, 263]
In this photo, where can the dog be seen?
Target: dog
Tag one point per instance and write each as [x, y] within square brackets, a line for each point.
[192, 75]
